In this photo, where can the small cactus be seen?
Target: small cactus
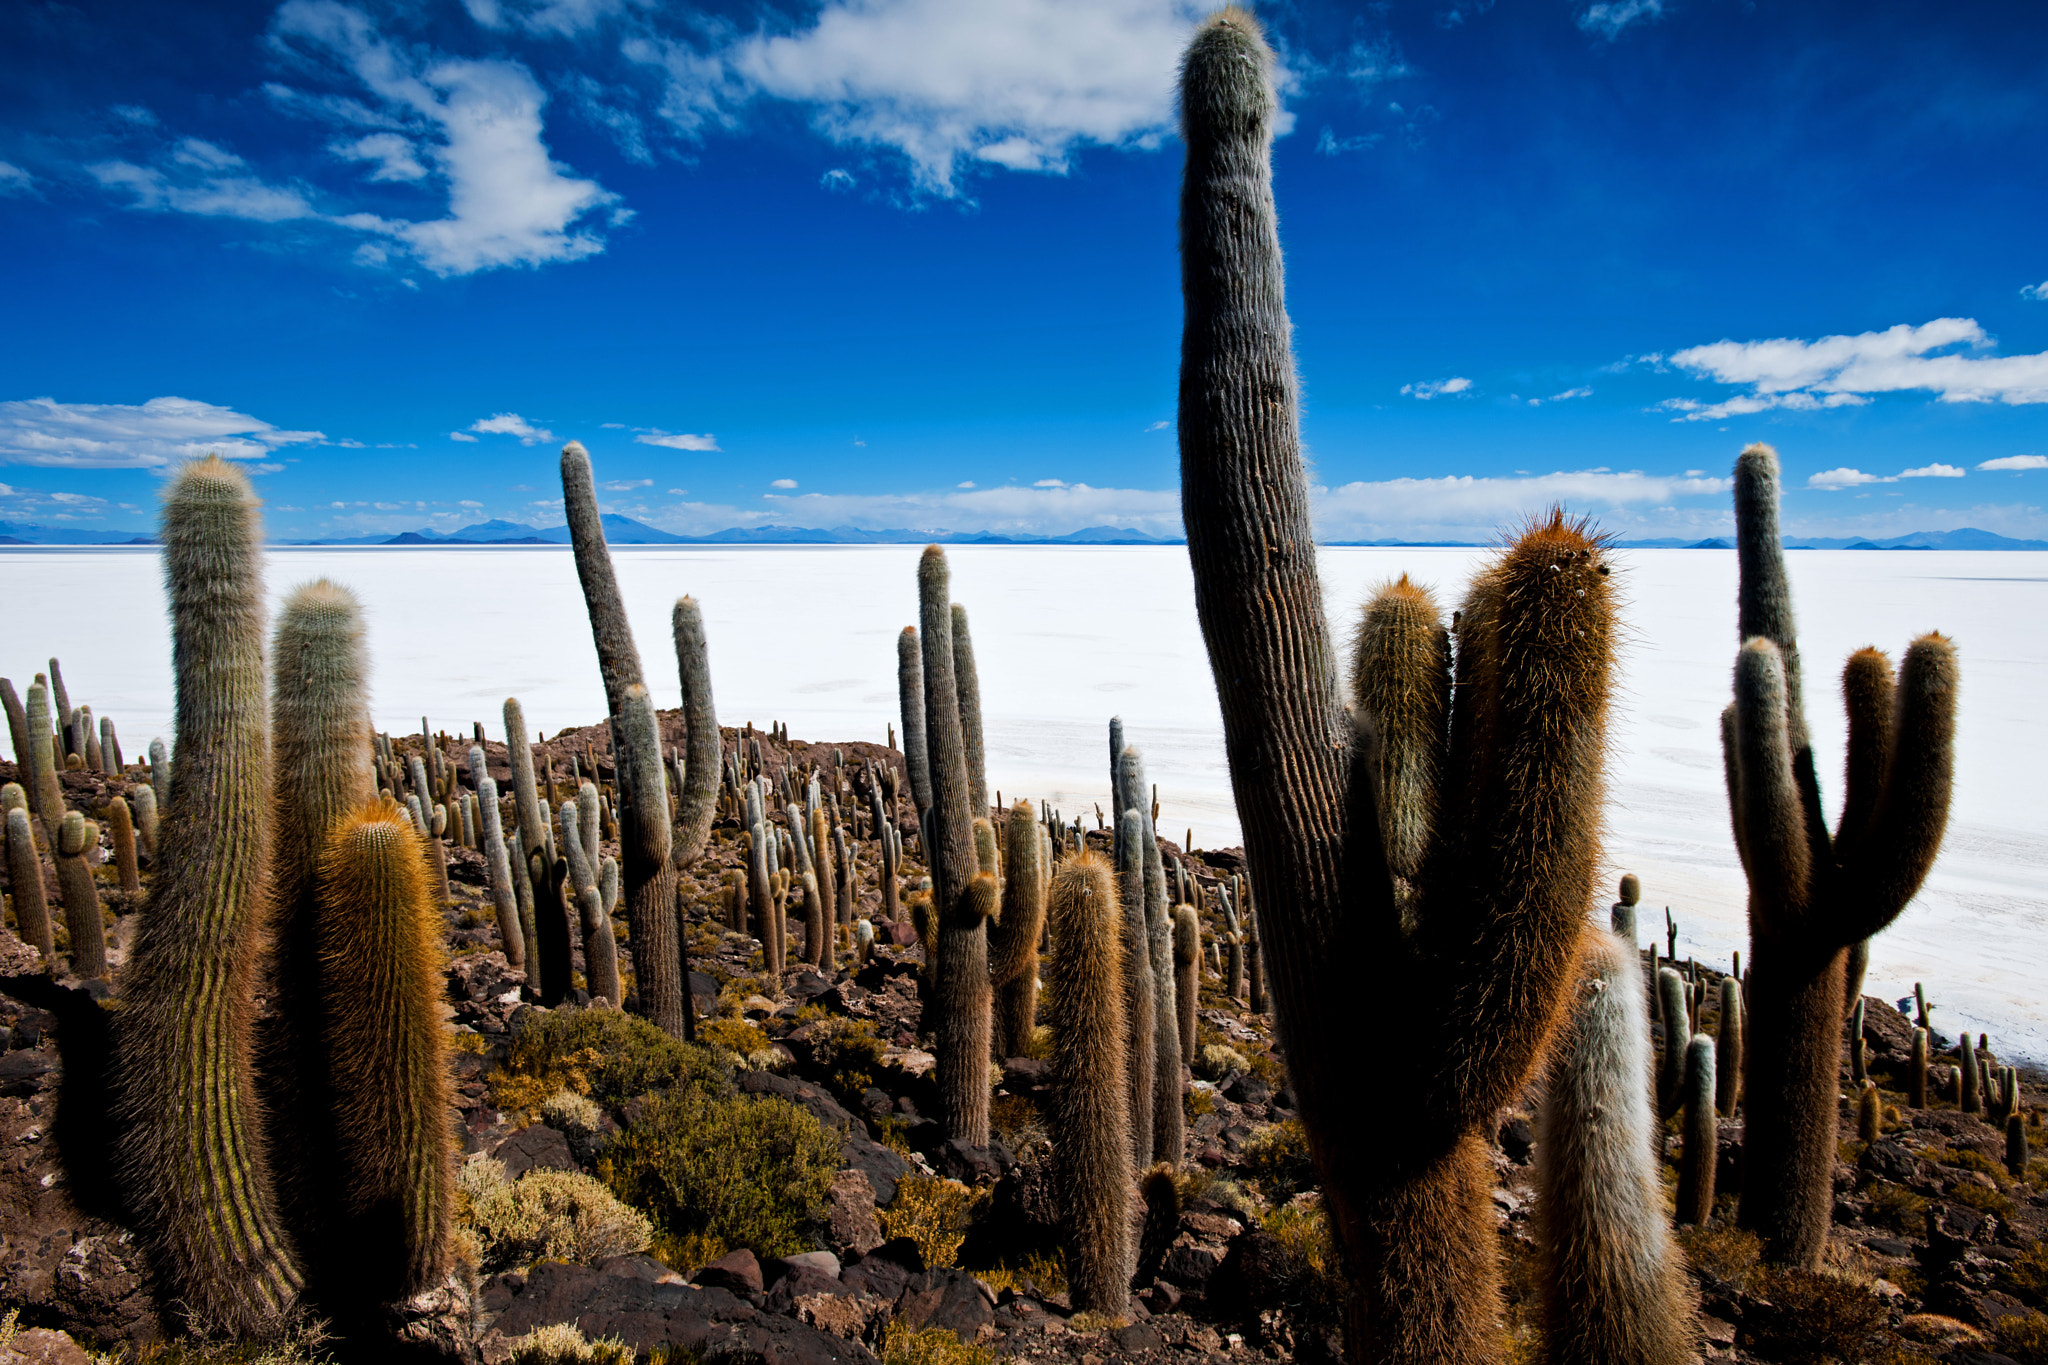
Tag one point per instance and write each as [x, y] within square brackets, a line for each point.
[497, 861]
[46, 796]
[1916, 1071]
[76, 838]
[1091, 1095]
[1971, 1099]
[1013, 938]
[121, 827]
[1623, 915]
[1728, 1048]
[2016, 1154]
[1187, 959]
[160, 772]
[1869, 1112]
[1700, 1153]
[25, 876]
[1671, 1069]
[17, 724]
[910, 693]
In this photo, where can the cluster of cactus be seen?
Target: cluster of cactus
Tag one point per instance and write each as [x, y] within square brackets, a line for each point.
[1151, 997]
[1813, 896]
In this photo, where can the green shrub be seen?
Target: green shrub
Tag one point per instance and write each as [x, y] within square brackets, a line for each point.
[1977, 1197]
[2029, 1274]
[933, 1212]
[1276, 1162]
[1897, 1208]
[544, 1215]
[2023, 1336]
[606, 1054]
[849, 1054]
[746, 1170]
[901, 1345]
[1214, 1061]
[1814, 1316]
[1311, 1286]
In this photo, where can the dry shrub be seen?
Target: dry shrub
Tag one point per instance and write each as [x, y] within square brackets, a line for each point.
[1721, 1251]
[544, 1215]
[1277, 1163]
[933, 1212]
[606, 1054]
[1897, 1208]
[1312, 1285]
[901, 1345]
[2029, 1274]
[1814, 1317]
[2023, 1336]
[561, 1344]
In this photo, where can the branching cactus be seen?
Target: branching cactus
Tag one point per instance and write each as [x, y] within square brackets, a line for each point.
[1812, 896]
[1508, 874]
[193, 1144]
[647, 842]
[25, 878]
[1612, 1283]
[962, 987]
[1013, 939]
[600, 950]
[1091, 1095]
[379, 936]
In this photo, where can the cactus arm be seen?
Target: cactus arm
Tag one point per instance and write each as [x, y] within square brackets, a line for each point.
[1401, 680]
[1764, 598]
[1883, 871]
[910, 694]
[618, 660]
[1868, 695]
[702, 747]
[967, 686]
[1772, 815]
[1731, 780]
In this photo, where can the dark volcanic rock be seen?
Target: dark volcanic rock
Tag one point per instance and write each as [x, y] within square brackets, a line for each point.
[952, 1299]
[737, 1271]
[535, 1148]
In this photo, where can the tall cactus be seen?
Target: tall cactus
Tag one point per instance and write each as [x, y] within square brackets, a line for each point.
[1700, 1154]
[962, 988]
[379, 936]
[1187, 961]
[546, 930]
[497, 860]
[121, 830]
[967, 686]
[1812, 896]
[25, 877]
[600, 949]
[1092, 1160]
[76, 838]
[646, 837]
[703, 751]
[194, 1150]
[17, 725]
[1728, 1048]
[1612, 1283]
[910, 695]
[1400, 671]
[1508, 876]
[1141, 1002]
[46, 797]
[1013, 938]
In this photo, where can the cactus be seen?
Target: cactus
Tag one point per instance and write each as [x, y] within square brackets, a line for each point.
[1859, 1070]
[600, 949]
[1700, 1153]
[767, 913]
[17, 724]
[1813, 896]
[2016, 1146]
[1401, 681]
[1612, 1284]
[1623, 915]
[967, 688]
[1728, 1048]
[1869, 1112]
[1168, 1114]
[962, 992]
[1187, 958]
[379, 936]
[25, 877]
[76, 838]
[1092, 1160]
[1916, 1071]
[46, 797]
[1141, 1006]
[121, 828]
[985, 847]
[60, 695]
[910, 694]
[160, 772]
[863, 941]
[1971, 1100]
[497, 861]
[1013, 937]
[1671, 1066]
[110, 748]
[194, 1150]
[546, 943]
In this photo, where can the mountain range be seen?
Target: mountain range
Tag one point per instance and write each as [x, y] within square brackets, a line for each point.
[622, 530]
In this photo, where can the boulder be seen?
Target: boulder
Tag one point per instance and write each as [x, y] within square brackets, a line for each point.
[536, 1147]
[850, 1221]
[950, 1298]
[736, 1271]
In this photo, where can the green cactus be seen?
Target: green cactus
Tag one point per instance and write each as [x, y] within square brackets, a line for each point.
[379, 936]
[544, 926]
[1728, 1048]
[17, 724]
[1677, 1033]
[46, 797]
[1091, 1095]
[2016, 1154]
[1812, 896]
[1859, 1070]
[910, 694]
[490, 831]
[61, 696]
[1168, 1113]
[194, 1149]
[1401, 682]
[76, 838]
[600, 948]
[25, 876]
[1187, 959]
[1700, 1152]
[962, 990]
[1013, 937]
[121, 830]
[1612, 1284]
[1141, 1005]
[1916, 1071]
[1623, 916]
[967, 687]
[697, 793]
[1972, 1100]
[1869, 1112]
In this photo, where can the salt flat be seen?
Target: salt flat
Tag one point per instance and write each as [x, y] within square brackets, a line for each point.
[1068, 636]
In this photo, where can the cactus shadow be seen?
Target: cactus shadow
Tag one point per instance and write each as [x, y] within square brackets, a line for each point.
[85, 1129]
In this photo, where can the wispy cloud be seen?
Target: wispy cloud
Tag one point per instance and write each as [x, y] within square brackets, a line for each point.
[1464, 507]
[163, 431]
[1432, 388]
[1844, 371]
[626, 485]
[15, 180]
[2014, 463]
[783, 483]
[1610, 17]
[677, 440]
[1836, 479]
[195, 176]
[512, 424]
[1580, 392]
[2037, 292]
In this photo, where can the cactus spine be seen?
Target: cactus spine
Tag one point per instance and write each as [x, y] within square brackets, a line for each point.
[962, 988]
[25, 876]
[1812, 896]
[1514, 851]
[1611, 1281]
[1013, 939]
[1700, 1152]
[194, 1151]
[600, 949]
[1090, 1088]
[380, 948]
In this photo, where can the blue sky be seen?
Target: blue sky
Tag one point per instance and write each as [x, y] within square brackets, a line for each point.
[910, 263]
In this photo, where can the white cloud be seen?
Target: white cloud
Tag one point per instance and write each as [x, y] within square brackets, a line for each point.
[965, 483]
[461, 436]
[395, 156]
[950, 84]
[627, 485]
[2037, 292]
[512, 424]
[1033, 511]
[1845, 478]
[161, 432]
[678, 492]
[1610, 17]
[1580, 392]
[1432, 388]
[15, 180]
[1050, 483]
[1159, 426]
[838, 178]
[1842, 371]
[677, 440]
[1329, 144]
[2015, 462]
[783, 483]
[1932, 471]
[200, 178]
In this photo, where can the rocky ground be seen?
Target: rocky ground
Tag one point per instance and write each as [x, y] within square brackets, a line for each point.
[1937, 1253]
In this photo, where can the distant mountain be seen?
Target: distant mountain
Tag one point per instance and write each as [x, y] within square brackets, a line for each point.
[14, 533]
